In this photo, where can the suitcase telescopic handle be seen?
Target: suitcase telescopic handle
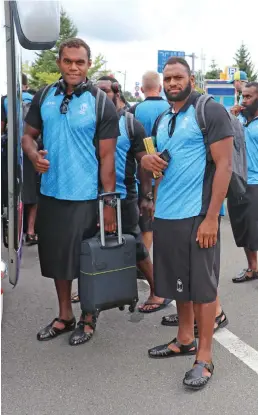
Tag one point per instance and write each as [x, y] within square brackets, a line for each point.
[101, 217]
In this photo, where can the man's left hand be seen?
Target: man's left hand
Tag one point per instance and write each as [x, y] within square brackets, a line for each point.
[208, 233]
[147, 206]
[109, 219]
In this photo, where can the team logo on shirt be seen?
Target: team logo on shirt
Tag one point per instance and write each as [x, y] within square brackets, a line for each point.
[83, 109]
[50, 103]
[179, 286]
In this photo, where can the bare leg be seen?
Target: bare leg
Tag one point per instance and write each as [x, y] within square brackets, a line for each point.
[32, 213]
[185, 333]
[218, 307]
[147, 238]
[63, 289]
[252, 261]
[146, 268]
[205, 316]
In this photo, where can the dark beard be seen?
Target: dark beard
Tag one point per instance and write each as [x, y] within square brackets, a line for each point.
[250, 110]
[181, 96]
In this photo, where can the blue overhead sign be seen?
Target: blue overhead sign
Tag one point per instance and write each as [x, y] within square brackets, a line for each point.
[164, 55]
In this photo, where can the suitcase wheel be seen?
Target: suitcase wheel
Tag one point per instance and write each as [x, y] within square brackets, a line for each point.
[122, 308]
[133, 306]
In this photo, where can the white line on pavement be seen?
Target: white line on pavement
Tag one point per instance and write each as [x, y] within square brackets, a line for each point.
[235, 346]
[238, 348]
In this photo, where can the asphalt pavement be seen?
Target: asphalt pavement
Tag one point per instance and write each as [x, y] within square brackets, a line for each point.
[112, 374]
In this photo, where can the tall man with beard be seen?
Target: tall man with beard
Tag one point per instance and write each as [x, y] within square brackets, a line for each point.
[244, 214]
[187, 216]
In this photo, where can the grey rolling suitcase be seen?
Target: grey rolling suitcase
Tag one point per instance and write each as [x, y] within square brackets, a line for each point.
[108, 277]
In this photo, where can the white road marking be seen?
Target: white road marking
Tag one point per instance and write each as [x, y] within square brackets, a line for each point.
[235, 346]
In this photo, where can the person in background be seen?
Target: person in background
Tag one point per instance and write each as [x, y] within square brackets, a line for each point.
[244, 214]
[30, 177]
[187, 216]
[129, 151]
[147, 112]
[239, 80]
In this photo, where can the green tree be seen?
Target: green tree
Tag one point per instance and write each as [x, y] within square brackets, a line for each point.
[214, 72]
[244, 62]
[45, 70]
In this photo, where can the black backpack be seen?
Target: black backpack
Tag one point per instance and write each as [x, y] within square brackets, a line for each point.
[238, 182]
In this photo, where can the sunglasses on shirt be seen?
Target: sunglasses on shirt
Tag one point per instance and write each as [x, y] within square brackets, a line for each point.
[64, 104]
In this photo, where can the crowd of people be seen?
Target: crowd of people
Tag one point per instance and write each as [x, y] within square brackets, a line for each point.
[179, 213]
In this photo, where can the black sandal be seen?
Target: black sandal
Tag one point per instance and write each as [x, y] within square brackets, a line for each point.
[218, 320]
[50, 332]
[171, 320]
[31, 239]
[79, 336]
[194, 379]
[163, 351]
[242, 277]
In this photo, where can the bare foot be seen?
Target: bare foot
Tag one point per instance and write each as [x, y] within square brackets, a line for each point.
[152, 303]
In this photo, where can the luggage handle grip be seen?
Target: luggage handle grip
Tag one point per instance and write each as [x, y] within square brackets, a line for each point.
[101, 218]
[103, 195]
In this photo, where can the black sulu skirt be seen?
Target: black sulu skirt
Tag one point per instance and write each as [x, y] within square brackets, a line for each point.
[61, 227]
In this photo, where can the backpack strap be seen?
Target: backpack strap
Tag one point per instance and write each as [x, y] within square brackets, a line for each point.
[44, 94]
[129, 124]
[100, 106]
[200, 114]
[156, 123]
[201, 120]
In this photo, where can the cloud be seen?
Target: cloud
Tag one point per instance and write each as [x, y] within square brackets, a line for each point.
[114, 20]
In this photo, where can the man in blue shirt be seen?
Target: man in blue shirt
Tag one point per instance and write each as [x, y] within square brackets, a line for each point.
[187, 216]
[147, 112]
[244, 213]
[130, 150]
[30, 177]
[67, 210]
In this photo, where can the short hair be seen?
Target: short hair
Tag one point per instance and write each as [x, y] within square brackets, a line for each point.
[108, 78]
[174, 60]
[24, 79]
[252, 84]
[74, 43]
[151, 80]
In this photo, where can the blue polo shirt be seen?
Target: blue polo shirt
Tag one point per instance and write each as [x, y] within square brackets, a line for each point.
[186, 188]
[70, 141]
[148, 111]
[251, 138]
[127, 149]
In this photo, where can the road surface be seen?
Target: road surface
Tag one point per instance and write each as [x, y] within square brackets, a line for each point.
[112, 374]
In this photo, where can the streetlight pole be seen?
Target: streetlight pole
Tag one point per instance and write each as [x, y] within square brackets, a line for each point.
[124, 74]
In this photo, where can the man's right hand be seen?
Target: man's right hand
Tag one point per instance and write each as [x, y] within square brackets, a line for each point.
[153, 163]
[40, 164]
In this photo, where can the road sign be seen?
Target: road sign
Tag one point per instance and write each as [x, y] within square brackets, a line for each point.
[137, 83]
[136, 94]
[137, 88]
[231, 72]
[164, 55]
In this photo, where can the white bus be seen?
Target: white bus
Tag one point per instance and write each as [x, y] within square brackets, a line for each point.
[33, 25]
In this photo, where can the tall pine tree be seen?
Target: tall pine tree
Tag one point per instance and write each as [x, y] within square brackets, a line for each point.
[244, 62]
